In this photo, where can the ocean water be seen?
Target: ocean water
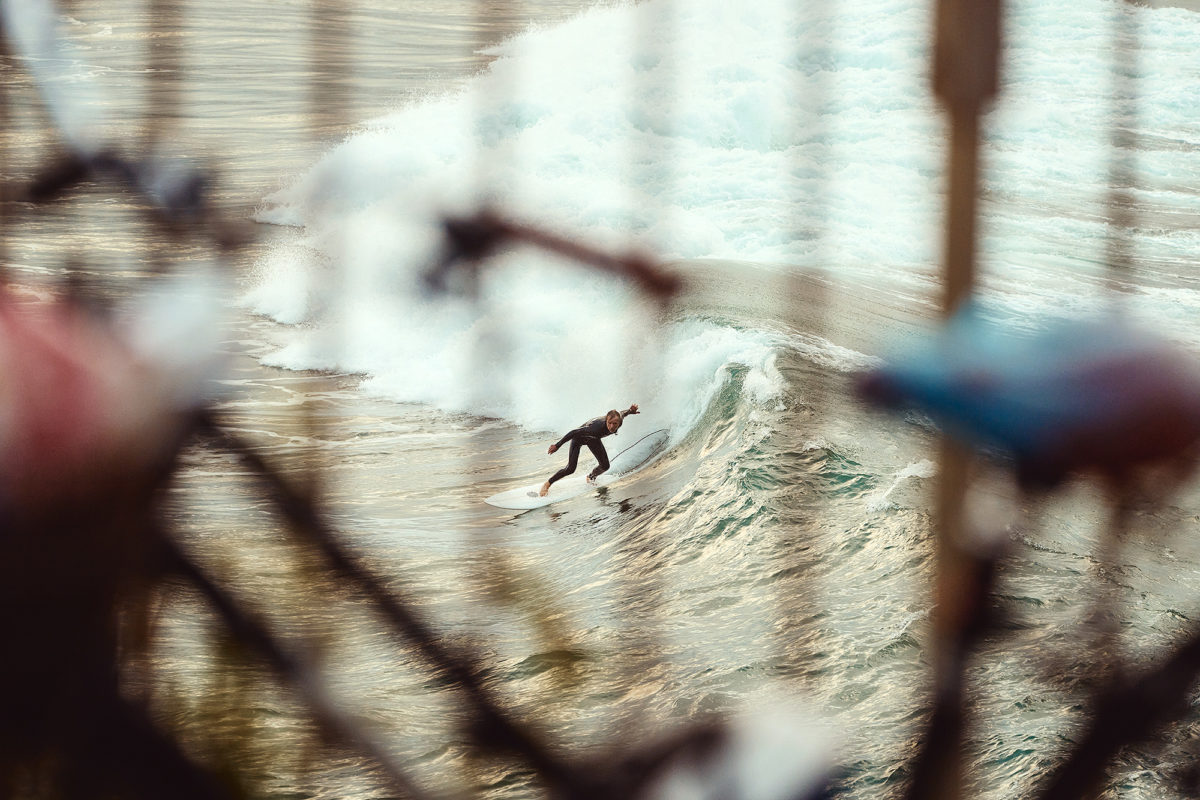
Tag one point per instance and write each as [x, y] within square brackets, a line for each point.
[786, 160]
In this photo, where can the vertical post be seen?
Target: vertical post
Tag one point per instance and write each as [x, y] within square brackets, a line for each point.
[164, 63]
[328, 44]
[6, 136]
[806, 293]
[965, 78]
[328, 103]
[1122, 172]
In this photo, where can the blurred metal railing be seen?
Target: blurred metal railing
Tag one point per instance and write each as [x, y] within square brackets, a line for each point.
[86, 553]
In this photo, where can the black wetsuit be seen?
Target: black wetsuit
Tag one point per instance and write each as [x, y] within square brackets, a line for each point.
[590, 434]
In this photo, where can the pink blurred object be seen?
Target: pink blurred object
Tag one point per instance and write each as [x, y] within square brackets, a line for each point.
[79, 411]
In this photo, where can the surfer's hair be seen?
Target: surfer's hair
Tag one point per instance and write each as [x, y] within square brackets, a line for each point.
[614, 413]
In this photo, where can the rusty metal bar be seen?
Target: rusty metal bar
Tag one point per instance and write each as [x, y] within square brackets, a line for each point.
[301, 674]
[965, 78]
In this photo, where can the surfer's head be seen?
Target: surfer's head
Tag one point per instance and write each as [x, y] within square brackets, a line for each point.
[613, 420]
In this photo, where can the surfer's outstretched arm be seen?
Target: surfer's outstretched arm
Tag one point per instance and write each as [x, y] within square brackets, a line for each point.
[633, 409]
[567, 437]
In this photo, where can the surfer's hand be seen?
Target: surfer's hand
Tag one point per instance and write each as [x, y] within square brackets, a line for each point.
[552, 449]
[632, 409]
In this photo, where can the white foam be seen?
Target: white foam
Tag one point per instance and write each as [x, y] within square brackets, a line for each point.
[881, 501]
[693, 144]
[548, 347]
[284, 284]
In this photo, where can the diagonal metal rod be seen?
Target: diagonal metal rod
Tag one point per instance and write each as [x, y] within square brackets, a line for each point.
[475, 238]
[496, 726]
[1126, 714]
[296, 670]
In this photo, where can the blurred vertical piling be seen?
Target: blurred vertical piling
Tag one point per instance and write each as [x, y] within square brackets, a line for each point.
[1122, 173]
[806, 295]
[329, 63]
[164, 65]
[5, 166]
[965, 79]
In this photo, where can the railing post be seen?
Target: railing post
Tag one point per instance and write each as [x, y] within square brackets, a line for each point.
[965, 78]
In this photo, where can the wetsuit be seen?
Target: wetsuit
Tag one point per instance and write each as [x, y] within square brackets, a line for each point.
[590, 434]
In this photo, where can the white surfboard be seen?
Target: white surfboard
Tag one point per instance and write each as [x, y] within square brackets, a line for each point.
[621, 465]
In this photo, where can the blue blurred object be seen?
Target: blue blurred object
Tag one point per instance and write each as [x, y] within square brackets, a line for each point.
[1095, 395]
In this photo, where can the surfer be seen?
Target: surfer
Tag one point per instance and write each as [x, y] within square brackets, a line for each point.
[590, 434]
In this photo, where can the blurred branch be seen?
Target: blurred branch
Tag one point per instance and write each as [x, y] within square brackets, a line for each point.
[472, 239]
[1125, 714]
[175, 192]
[494, 727]
[964, 624]
[298, 672]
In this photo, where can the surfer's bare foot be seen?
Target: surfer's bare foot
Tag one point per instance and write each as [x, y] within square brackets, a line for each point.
[545, 488]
